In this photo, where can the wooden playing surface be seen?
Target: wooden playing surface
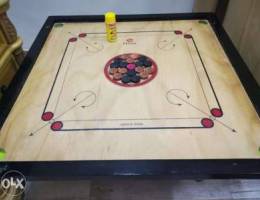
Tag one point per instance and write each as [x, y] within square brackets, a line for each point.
[193, 108]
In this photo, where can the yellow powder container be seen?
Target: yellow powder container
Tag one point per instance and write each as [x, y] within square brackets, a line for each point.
[110, 20]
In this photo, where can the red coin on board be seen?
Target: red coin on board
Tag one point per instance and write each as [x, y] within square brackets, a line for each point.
[187, 36]
[82, 35]
[178, 32]
[74, 39]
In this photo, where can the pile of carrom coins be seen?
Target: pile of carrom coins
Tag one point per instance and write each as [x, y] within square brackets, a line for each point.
[131, 69]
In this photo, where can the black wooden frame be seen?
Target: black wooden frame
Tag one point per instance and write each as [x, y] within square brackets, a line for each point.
[192, 168]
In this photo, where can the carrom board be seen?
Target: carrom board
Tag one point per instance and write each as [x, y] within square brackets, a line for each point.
[166, 90]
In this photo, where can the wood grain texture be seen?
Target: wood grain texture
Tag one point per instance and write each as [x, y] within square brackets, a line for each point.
[11, 38]
[244, 31]
[11, 53]
[249, 47]
[8, 30]
[238, 9]
[7, 71]
[4, 5]
[25, 136]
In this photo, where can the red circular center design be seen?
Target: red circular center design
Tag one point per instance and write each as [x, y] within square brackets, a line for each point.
[130, 70]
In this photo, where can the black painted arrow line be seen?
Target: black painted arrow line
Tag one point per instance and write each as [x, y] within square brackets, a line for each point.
[81, 92]
[84, 41]
[174, 40]
[171, 91]
[54, 119]
[210, 116]
[181, 90]
[232, 129]
[98, 49]
[84, 99]
[32, 133]
[176, 104]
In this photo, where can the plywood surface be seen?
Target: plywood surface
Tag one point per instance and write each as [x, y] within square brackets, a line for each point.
[194, 107]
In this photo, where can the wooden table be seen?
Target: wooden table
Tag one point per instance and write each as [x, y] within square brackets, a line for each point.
[11, 53]
[171, 97]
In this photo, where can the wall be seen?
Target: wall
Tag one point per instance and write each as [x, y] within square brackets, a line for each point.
[242, 22]
[29, 15]
[204, 5]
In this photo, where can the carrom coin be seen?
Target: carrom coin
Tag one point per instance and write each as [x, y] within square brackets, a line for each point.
[130, 60]
[117, 76]
[113, 70]
[126, 79]
[144, 75]
[131, 66]
[147, 63]
[149, 70]
[135, 79]
[130, 70]
[122, 70]
[114, 65]
[139, 69]
[123, 64]
[139, 63]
